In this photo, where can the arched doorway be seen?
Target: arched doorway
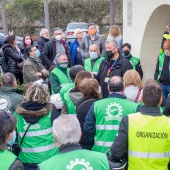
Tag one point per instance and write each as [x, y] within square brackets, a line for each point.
[152, 39]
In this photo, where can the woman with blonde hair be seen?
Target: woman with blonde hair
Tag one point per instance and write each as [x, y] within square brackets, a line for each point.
[133, 85]
[35, 117]
[91, 93]
[115, 34]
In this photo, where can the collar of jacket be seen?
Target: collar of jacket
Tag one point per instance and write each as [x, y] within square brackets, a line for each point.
[69, 147]
[4, 89]
[45, 39]
[36, 60]
[33, 109]
[149, 110]
[96, 36]
[117, 95]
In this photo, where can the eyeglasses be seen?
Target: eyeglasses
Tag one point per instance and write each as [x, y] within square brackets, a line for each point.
[8, 115]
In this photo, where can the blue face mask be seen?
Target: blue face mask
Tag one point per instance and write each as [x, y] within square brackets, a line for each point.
[13, 139]
[37, 53]
[93, 55]
[63, 65]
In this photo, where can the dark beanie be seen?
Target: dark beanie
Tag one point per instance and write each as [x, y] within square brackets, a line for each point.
[75, 70]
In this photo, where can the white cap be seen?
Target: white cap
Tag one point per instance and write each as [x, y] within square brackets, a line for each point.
[56, 100]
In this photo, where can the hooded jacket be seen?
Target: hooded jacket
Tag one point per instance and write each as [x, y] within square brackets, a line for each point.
[74, 95]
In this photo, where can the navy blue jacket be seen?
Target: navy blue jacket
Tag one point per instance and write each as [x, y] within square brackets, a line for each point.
[73, 50]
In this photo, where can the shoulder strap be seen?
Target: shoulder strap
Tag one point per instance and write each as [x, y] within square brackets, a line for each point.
[84, 103]
[137, 97]
[25, 134]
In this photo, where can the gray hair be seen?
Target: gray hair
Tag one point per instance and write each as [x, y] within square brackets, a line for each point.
[66, 129]
[43, 30]
[113, 42]
[77, 30]
[8, 79]
[57, 57]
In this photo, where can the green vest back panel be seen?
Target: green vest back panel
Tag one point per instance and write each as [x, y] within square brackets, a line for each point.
[65, 89]
[108, 113]
[148, 142]
[63, 79]
[77, 160]
[70, 105]
[6, 159]
[38, 144]
[88, 65]
[161, 63]
[134, 61]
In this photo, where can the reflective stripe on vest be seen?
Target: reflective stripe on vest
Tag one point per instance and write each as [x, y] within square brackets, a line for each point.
[39, 149]
[107, 127]
[36, 133]
[148, 154]
[103, 143]
[65, 84]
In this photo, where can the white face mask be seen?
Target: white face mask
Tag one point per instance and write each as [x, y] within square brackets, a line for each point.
[58, 37]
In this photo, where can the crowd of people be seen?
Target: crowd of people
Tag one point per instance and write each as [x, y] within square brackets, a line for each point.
[81, 100]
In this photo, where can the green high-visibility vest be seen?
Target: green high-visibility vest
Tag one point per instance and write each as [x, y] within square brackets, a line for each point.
[65, 89]
[108, 113]
[148, 142]
[38, 144]
[76, 160]
[70, 105]
[63, 79]
[161, 59]
[134, 61]
[6, 159]
[88, 65]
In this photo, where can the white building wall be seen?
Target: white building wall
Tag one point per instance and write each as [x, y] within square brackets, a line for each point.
[145, 31]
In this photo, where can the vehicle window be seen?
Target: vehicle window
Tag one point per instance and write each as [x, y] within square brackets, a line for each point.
[75, 26]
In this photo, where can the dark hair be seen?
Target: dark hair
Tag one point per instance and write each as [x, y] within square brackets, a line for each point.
[81, 76]
[7, 125]
[116, 85]
[152, 94]
[126, 45]
[29, 49]
[90, 24]
[150, 81]
[90, 88]
[75, 70]
[23, 41]
[10, 40]
[8, 79]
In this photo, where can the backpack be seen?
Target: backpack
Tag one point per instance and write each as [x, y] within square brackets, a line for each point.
[4, 64]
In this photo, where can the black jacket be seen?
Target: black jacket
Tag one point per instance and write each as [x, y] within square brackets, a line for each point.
[138, 66]
[165, 76]
[82, 108]
[49, 52]
[119, 69]
[12, 58]
[120, 146]
[41, 43]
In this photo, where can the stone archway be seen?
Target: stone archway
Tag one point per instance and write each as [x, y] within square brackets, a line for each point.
[143, 27]
[152, 39]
